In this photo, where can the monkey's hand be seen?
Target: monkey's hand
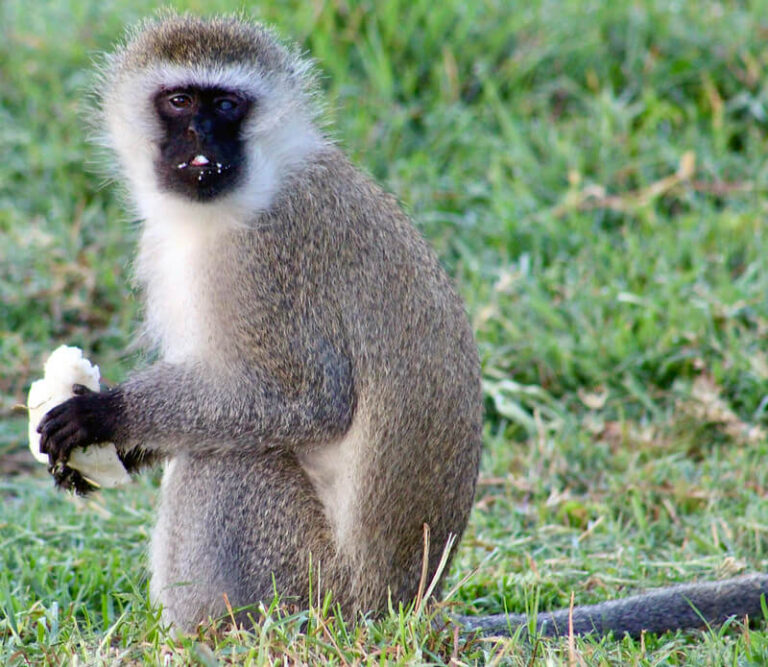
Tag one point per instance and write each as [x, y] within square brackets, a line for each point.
[89, 417]
[69, 479]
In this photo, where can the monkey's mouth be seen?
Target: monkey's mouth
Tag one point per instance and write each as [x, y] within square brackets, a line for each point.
[201, 175]
[202, 166]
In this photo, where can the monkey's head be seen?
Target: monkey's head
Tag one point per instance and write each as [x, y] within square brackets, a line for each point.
[202, 152]
[200, 110]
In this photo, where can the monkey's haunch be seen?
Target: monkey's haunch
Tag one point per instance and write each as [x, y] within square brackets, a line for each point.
[681, 607]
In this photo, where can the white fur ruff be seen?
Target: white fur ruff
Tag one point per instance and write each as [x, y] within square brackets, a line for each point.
[178, 233]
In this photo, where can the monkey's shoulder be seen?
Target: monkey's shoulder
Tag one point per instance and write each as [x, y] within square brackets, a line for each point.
[335, 207]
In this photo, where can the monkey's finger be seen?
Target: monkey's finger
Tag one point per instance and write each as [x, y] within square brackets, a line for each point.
[51, 446]
[51, 415]
[57, 427]
[48, 439]
[59, 443]
[67, 444]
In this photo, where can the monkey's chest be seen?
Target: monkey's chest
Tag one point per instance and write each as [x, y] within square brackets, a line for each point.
[172, 266]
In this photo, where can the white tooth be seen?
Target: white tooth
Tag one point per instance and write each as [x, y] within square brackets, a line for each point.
[200, 161]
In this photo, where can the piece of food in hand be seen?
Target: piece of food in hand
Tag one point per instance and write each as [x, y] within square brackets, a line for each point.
[98, 464]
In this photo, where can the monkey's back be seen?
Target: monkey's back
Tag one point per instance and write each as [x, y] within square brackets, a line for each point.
[416, 437]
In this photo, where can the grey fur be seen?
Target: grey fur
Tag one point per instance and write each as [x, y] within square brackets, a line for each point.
[325, 309]
[326, 400]
[687, 606]
[333, 308]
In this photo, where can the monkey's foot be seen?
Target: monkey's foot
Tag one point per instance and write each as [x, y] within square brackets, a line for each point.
[69, 479]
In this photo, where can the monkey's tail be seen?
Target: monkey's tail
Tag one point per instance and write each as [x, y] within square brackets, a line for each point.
[672, 608]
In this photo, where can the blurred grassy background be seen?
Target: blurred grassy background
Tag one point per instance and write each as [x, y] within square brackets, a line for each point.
[592, 174]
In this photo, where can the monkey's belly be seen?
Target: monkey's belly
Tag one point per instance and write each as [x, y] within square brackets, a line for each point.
[235, 524]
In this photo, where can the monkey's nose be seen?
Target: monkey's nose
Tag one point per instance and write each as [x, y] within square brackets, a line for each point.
[201, 126]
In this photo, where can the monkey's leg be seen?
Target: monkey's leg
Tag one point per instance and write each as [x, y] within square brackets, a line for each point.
[243, 524]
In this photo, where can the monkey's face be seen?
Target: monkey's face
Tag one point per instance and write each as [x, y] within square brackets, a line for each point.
[202, 153]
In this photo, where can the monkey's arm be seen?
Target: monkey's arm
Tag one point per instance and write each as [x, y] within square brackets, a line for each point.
[169, 408]
[675, 608]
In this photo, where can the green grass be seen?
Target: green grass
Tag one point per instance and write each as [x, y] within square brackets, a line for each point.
[592, 173]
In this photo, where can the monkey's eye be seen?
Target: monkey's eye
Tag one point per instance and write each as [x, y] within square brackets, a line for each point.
[226, 103]
[180, 101]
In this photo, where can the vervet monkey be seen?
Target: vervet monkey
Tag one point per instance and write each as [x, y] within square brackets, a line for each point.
[317, 399]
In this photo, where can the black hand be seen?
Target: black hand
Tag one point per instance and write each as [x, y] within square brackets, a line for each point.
[137, 458]
[69, 479]
[87, 418]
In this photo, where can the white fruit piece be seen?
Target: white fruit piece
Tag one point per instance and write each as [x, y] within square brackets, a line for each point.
[66, 366]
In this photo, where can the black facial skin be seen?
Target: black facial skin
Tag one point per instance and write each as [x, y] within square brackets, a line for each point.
[87, 418]
[201, 121]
